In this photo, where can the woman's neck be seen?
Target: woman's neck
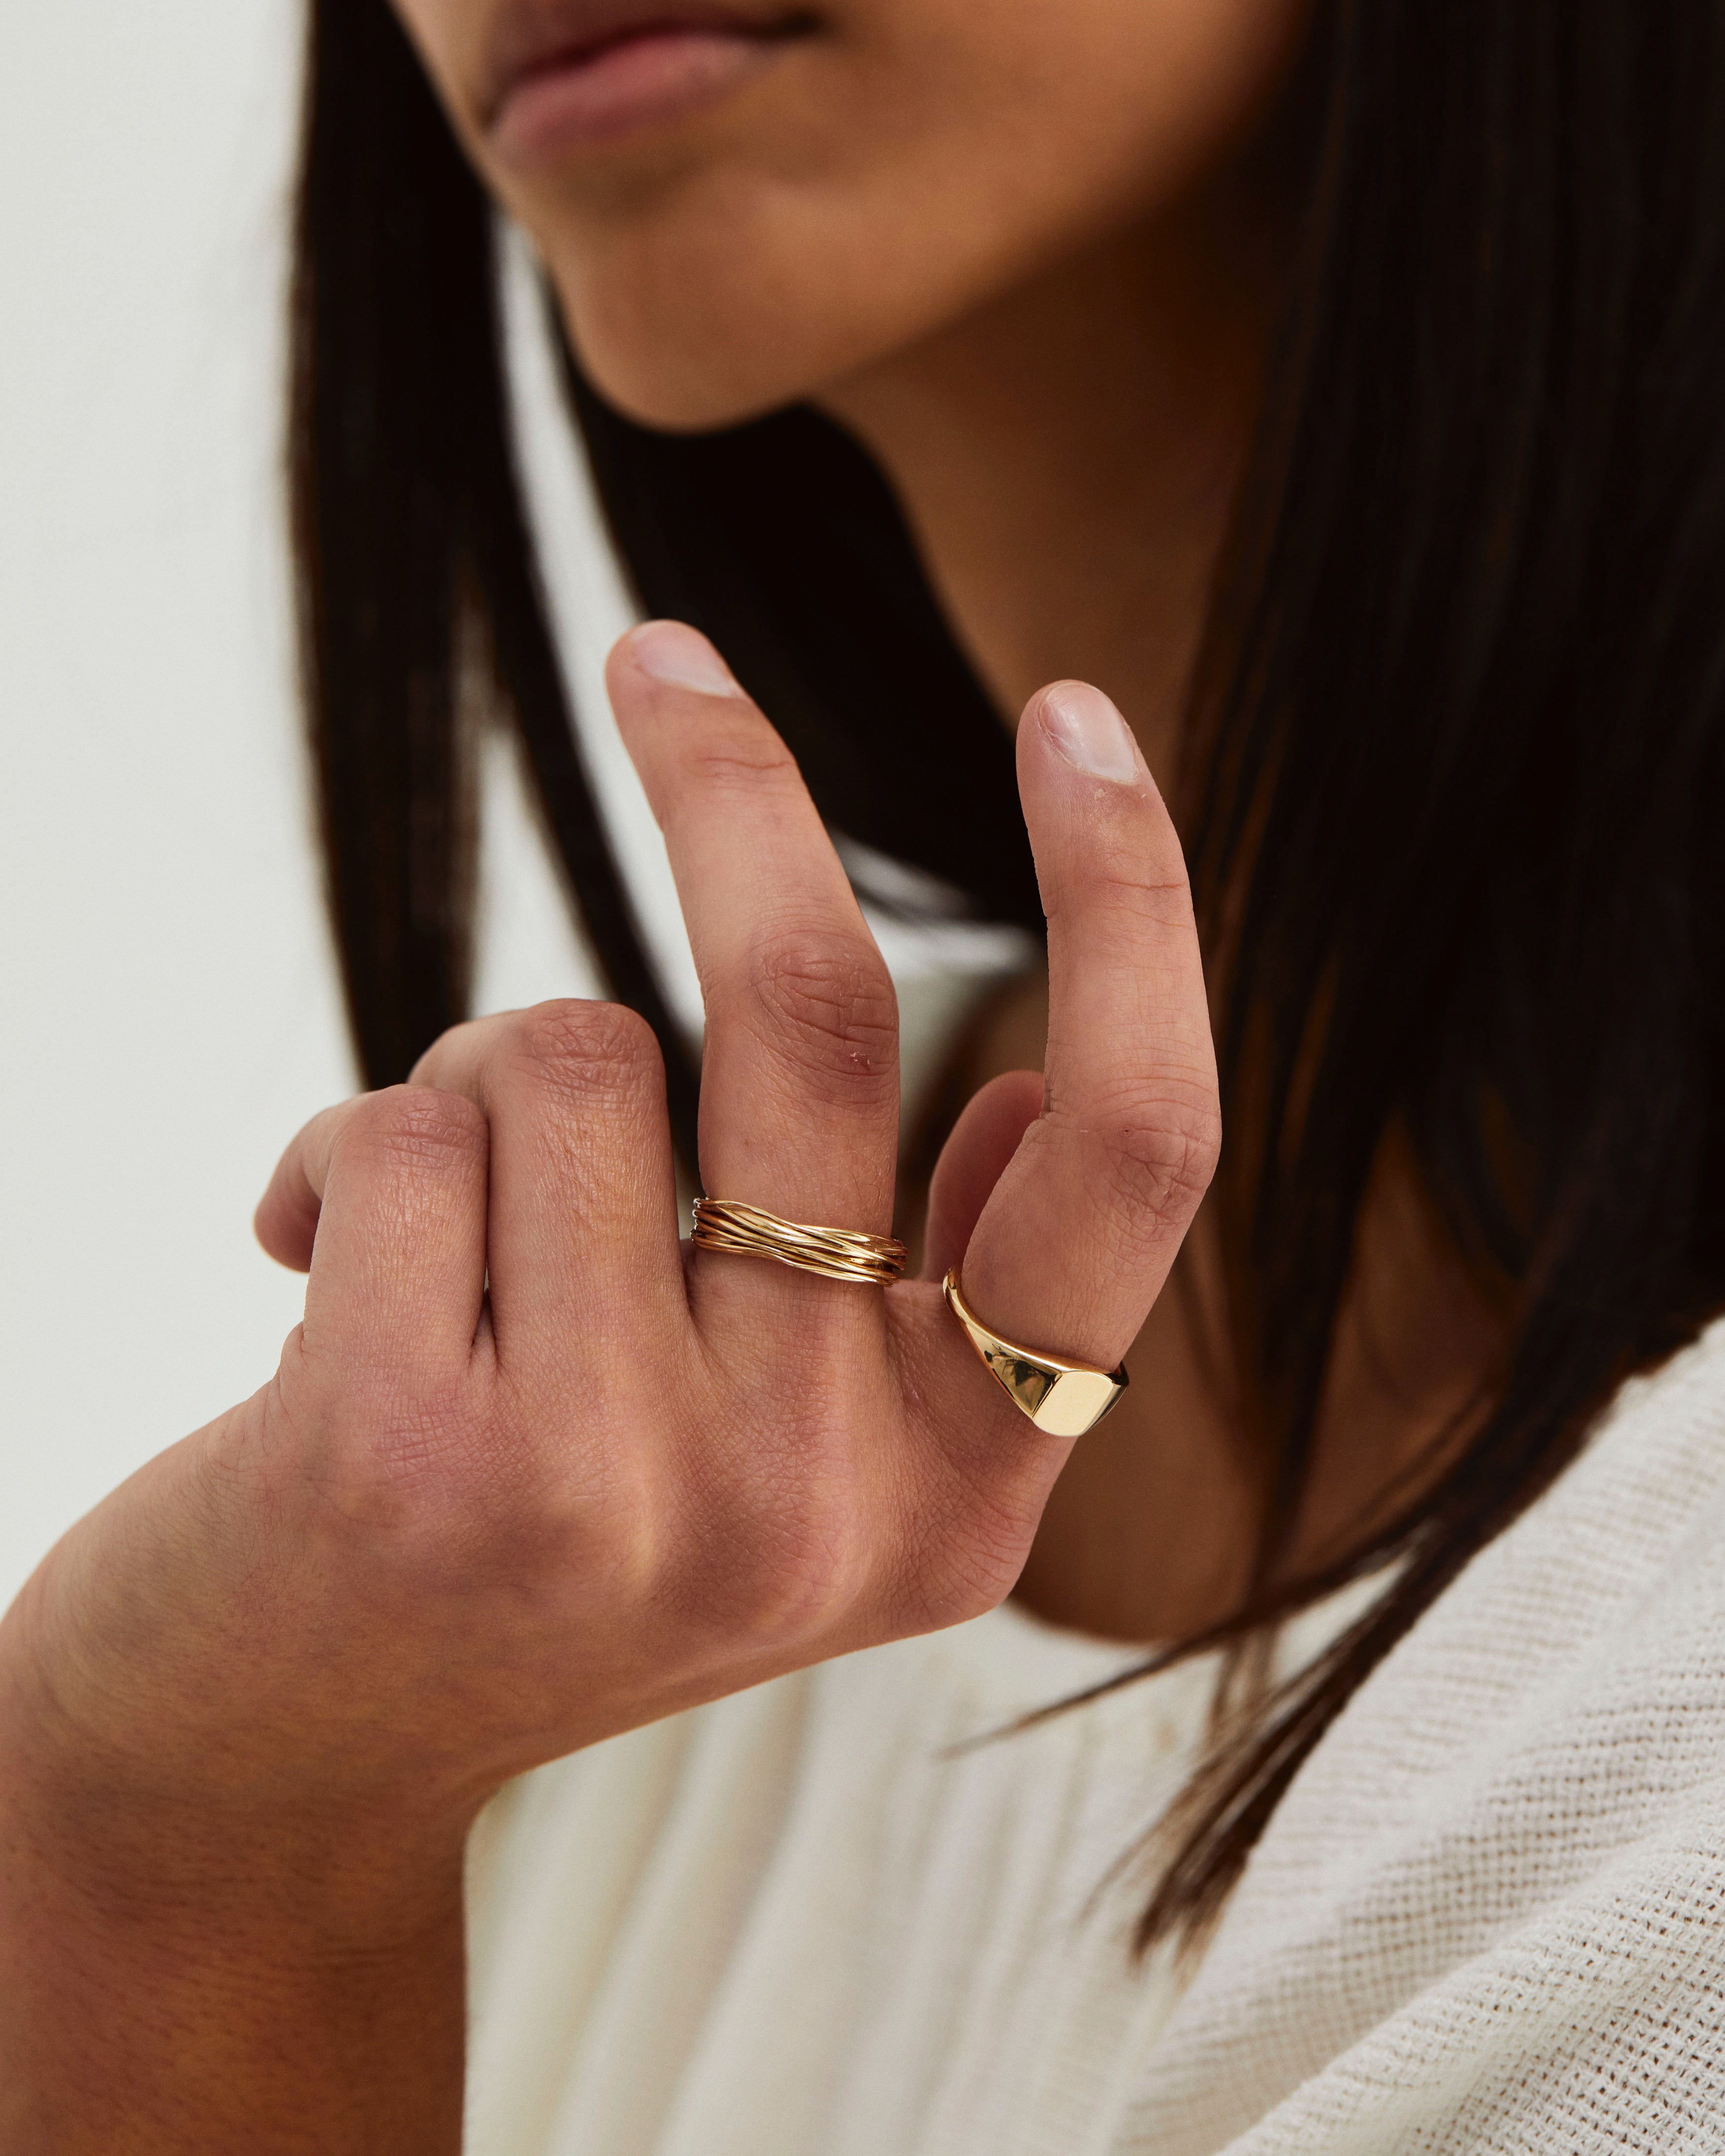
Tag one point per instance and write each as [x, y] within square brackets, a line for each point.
[1066, 457]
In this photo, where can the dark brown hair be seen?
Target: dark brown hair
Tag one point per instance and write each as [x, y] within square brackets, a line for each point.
[1462, 772]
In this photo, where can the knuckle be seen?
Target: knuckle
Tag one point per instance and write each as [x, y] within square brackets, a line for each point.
[779, 1563]
[1149, 1156]
[957, 1589]
[407, 1468]
[826, 1004]
[1154, 901]
[801, 1590]
[965, 1555]
[1118, 893]
[1160, 1155]
[582, 1048]
[803, 1576]
[416, 1130]
[446, 1054]
[736, 750]
[403, 1473]
[390, 1456]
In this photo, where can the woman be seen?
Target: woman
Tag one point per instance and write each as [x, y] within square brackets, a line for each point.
[1339, 383]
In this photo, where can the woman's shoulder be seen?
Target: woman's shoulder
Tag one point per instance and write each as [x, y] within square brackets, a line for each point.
[1524, 1806]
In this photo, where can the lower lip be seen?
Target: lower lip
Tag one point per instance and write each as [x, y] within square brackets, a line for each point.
[636, 84]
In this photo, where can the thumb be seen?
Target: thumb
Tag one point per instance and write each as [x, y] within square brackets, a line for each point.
[972, 1162]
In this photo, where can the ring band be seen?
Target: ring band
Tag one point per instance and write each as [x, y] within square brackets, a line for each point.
[1065, 1399]
[840, 1253]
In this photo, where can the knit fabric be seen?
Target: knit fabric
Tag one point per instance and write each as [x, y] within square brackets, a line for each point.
[1491, 1912]
[796, 1922]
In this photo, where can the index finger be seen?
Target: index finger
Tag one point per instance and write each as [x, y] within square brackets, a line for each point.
[1079, 1233]
[799, 1076]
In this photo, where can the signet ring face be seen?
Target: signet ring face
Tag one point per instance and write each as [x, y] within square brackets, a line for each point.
[1065, 1399]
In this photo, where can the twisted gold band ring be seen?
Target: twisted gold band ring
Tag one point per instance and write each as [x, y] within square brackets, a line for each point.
[840, 1253]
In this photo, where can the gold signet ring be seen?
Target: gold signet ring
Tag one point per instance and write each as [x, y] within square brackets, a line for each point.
[842, 1254]
[1064, 1399]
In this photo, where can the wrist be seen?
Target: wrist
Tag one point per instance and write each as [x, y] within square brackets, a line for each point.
[179, 1974]
[169, 1842]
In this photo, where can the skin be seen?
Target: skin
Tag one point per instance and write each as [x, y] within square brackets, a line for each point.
[529, 1475]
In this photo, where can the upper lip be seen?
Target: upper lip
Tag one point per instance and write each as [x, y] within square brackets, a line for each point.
[527, 36]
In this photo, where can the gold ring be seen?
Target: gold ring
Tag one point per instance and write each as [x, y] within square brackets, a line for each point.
[1065, 1399]
[840, 1253]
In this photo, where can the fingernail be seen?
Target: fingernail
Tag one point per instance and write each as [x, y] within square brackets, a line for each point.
[1088, 731]
[672, 651]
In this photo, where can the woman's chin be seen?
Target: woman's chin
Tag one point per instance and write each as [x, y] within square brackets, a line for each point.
[703, 368]
[676, 349]
[697, 399]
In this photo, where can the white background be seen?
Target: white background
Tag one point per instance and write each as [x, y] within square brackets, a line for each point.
[170, 1010]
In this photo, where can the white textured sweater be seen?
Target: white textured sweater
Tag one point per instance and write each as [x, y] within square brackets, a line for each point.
[1490, 1914]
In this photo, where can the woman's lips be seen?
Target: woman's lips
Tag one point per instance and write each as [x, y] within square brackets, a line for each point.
[597, 92]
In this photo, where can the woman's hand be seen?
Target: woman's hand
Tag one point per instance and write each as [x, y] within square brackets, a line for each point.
[531, 1474]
